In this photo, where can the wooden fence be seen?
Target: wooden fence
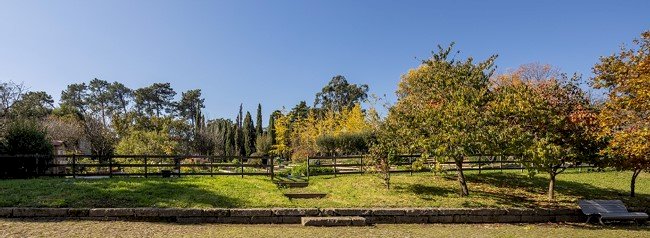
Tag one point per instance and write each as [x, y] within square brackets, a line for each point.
[148, 165]
[190, 165]
[335, 165]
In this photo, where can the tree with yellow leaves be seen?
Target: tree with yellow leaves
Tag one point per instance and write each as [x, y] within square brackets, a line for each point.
[281, 125]
[625, 117]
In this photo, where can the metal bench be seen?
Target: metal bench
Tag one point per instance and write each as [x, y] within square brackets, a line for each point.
[610, 210]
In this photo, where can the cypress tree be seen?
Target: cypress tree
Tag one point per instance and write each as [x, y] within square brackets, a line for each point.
[230, 140]
[271, 128]
[239, 135]
[239, 141]
[258, 125]
[249, 135]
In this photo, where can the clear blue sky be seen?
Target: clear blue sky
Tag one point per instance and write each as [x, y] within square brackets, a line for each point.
[280, 52]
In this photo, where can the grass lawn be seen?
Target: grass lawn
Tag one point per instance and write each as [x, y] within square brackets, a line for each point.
[23, 228]
[493, 189]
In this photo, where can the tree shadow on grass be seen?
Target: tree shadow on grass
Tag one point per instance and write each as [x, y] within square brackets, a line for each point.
[539, 186]
[117, 192]
[425, 192]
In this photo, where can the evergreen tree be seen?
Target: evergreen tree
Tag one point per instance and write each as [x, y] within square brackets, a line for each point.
[239, 135]
[258, 125]
[271, 128]
[76, 96]
[339, 95]
[249, 135]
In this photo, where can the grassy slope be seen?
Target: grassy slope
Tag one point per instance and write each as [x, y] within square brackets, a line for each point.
[424, 189]
[17, 228]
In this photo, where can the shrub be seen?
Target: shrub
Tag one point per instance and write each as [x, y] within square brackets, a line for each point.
[346, 143]
[25, 138]
[263, 145]
[147, 143]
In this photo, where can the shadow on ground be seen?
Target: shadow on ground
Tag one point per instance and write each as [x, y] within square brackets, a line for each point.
[519, 190]
[132, 192]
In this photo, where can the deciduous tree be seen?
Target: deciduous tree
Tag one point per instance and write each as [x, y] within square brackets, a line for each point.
[625, 115]
[441, 106]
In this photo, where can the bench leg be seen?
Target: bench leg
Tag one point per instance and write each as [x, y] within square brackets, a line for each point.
[600, 220]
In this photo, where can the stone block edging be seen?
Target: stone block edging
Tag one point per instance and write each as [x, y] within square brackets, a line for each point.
[294, 215]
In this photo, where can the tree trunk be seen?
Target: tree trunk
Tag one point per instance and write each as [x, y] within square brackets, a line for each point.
[551, 187]
[461, 178]
[635, 173]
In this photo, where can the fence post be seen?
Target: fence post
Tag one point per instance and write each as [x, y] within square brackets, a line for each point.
[501, 164]
[334, 166]
[479, 165]
[145, 167]
[411, 163]
[110, 166]
[211, 165]
[361, 164]
[241, 163]
[38, 166]
[308, 168]
[272, 173]
[74, 165]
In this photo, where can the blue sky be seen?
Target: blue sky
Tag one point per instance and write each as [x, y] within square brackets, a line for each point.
[283, 51]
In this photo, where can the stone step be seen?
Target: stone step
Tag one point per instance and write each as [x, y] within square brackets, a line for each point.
[292, 184]
[333, 221]
[305, 195]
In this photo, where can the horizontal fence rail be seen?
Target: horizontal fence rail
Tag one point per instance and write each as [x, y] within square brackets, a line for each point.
[192, 165]
[144, 165]
[336, 165]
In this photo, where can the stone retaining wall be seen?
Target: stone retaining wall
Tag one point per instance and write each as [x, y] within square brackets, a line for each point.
[293, 215]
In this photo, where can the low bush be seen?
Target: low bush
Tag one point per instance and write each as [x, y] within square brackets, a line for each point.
[25, 138]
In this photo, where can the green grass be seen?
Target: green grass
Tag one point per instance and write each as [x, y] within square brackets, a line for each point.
[22, 228]
[493, 189]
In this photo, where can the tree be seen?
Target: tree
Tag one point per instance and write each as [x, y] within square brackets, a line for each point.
[271, 127]
[299, 112]
[155, 99]
[441, 106]
[258, 123]
[65, 128]
[10, 93]
[99, 99]
[147, 143]
[101, 138]
[33, 105]
[120, 99]
[24, 137]
[203, 142]
[76, 96]
[263, 145]
[240, 150]
[624, 116]
[190, 105]
[231, 144]
[281, 127]
[545, 118]
[338, 94]
[219, 130]
[249, 135]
